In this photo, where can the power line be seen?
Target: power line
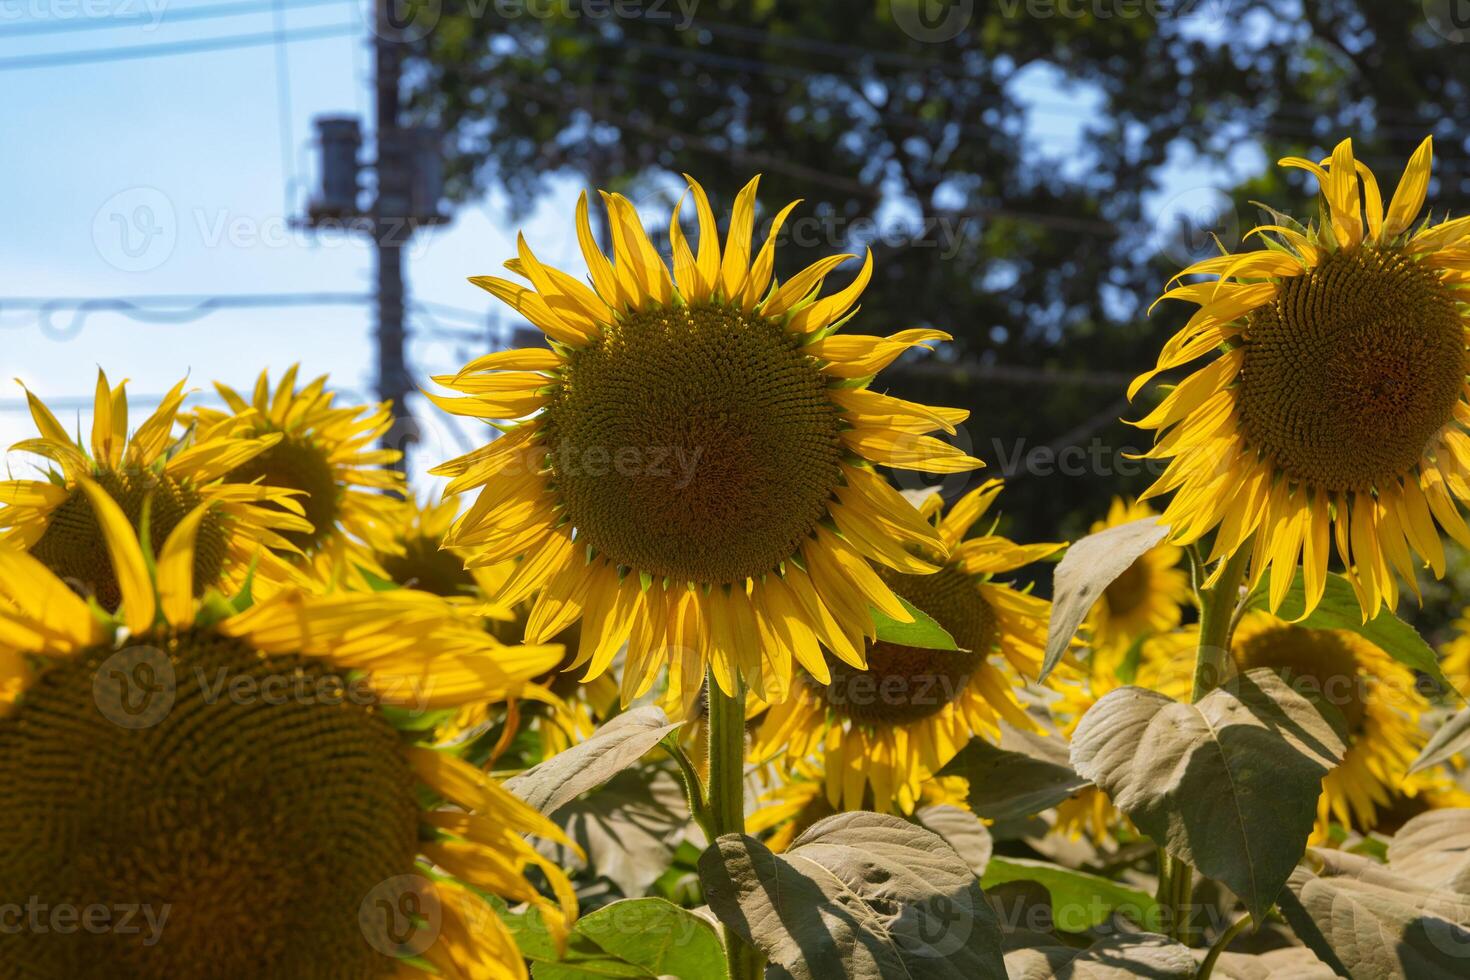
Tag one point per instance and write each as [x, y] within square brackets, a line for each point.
[95, 55]
[170, 16]
[162, 309]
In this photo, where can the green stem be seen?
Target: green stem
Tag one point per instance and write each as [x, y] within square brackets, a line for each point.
[727, 799]
[1183, 900]
[1217, 612]
[1219, 946]
[693, 786]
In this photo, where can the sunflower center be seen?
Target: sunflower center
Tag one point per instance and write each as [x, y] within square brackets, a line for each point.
[697, 444]
[242, 806]
[298, 464]
[1320, 664]
[73, 547]
[1128, 591]
[429, 568]
[904, 684]
[1352, 370]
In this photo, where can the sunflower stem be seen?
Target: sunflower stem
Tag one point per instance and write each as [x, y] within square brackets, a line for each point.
[1220, 945]
[727, 799]
[1217, 612]
[693, 786]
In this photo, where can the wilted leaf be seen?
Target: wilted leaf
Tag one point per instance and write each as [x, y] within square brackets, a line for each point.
[611, 749]
[1088, 568]
[638, 937]
[1452, 738]
[1112, 958]
[1229, 784]
[1005, 784]
[1434, 849]
[628, 828]
[923, 632]
[1363, 920]
[1340, 610]
[1079, 901]
[961, 830]
[857, 895]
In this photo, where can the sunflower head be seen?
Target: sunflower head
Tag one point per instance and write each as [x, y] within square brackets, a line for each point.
[1336, 406]
[156, 483]
[887, 722]
[692, 469]
[239, 773]
[1377, 697]
[323, 452]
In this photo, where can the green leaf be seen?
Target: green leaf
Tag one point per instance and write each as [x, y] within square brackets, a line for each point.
[1365, 920]
[1079, 901]
[1007, 784]
[857, 895]
[606, 752]
[923, 633]
[1452, 738]
[1088, 568]
[1229, 784]
[1339, 610]
[637, 937]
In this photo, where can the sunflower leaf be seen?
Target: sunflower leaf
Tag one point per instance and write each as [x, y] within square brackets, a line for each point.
[606, 752]
[1006, 784]
[923, 633]
[1110, 958]
[1339, 610]
[1079, 901]
[639, 937]
[1084, 573]
[860, 894]
[1365, 920]
[1229, 784]
[1452, 738]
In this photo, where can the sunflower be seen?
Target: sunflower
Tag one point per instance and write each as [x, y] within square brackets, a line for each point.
[883, 729]
[798, 801]
[1336, 406]
[145, 473]
[1377, 696]
[1150, 594]
[248, 777]
[692, 474]
[349, 490]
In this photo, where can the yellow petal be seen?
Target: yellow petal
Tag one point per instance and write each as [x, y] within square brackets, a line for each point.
[131, 571]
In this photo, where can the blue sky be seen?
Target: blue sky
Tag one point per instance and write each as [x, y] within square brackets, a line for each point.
[190, 147]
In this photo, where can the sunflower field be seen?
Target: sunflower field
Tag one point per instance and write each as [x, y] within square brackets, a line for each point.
[719, 651]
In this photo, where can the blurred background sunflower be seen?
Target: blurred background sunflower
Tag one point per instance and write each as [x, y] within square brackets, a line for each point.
[326, 453]
[881, 730]
[1150, 595]
[146, 471]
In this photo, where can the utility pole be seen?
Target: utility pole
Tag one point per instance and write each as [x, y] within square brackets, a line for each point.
[409, 172]
[391, 220]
